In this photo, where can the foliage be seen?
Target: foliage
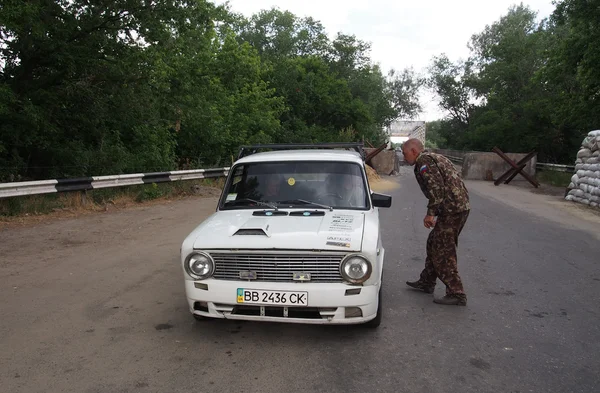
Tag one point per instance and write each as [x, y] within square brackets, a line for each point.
[435, 135]
[96, 88]
[554, 178]
[527, 85]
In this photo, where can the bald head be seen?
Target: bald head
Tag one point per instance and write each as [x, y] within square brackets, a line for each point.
[414, 144]
[411, 150]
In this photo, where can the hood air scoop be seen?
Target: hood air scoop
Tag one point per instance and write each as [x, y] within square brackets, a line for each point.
[250, 232]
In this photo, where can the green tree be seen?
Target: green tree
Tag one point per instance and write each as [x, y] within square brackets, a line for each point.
[514, 90]
[84, 95]
[131, 85]
[327, 86]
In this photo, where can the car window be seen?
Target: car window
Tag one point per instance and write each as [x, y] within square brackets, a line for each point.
[335, 184]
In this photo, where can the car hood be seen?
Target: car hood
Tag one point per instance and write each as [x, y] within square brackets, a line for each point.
[240, 229]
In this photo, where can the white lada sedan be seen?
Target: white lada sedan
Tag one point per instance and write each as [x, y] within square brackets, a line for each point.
[295, 238]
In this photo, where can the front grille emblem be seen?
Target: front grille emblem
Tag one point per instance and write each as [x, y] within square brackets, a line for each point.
[301, 276]
[247, 275]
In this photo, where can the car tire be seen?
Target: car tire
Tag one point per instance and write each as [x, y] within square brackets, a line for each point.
[375, 322]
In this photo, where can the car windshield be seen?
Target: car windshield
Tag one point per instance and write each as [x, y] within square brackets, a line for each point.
[301, 184]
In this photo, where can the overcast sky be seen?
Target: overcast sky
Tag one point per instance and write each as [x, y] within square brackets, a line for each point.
[402, 34]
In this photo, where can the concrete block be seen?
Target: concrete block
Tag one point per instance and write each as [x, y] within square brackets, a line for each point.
[384, 162]
[490, 166]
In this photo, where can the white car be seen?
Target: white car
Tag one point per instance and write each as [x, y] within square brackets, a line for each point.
[295, 238]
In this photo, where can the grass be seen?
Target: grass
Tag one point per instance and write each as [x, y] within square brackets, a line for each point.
[554, 178]
[99, 199]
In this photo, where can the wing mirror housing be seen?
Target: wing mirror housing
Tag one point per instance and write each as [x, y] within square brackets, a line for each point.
[381, 200]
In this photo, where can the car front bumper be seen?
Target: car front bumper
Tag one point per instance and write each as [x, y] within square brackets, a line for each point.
[327, 303]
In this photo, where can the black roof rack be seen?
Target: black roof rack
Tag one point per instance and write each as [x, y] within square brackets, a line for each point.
[252, 149]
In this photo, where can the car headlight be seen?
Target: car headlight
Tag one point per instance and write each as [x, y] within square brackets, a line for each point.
[199, 265]
[356, 269]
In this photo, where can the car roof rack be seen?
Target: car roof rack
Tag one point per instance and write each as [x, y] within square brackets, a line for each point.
[247, 150]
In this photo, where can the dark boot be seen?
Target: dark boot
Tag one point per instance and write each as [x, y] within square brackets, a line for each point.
[420, 285]
[449, 300]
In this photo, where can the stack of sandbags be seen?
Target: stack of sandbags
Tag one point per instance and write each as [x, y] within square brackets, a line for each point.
[585, 183]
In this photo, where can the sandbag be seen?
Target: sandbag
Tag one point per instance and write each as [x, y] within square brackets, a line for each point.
[585, 167]
[584, 153]
[589, 142]
[587, 180]
[575, 179]
[594, 133]
[578, 161]
[594, 204]
[578, 193]
[580, 173]
[596, 153]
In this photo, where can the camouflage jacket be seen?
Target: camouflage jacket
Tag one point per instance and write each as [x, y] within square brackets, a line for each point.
[442, 185]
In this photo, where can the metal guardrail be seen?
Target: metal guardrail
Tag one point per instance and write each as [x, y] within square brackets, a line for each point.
[455, 159]
[96, 182]
[555, 167]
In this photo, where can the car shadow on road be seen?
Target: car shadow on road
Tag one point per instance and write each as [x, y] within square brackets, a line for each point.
[222, 328]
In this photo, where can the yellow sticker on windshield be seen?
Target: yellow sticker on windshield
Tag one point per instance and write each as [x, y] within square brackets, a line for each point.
[291, 181]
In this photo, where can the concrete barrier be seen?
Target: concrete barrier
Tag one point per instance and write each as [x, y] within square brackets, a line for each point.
[477, 165]
[489, 166]
[385, 163]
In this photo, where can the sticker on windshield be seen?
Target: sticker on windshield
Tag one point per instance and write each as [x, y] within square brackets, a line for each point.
[231, 197]
[291, 181]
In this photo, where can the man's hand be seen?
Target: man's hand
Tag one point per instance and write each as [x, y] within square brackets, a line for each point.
[429, 221]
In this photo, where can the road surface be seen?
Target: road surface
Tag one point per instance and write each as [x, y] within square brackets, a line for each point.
[96, 304]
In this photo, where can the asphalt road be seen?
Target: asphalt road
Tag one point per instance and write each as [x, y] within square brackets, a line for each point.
[96, 304]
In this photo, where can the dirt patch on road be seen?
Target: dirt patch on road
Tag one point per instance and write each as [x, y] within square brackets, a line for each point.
[545, 201]
[384, 184]
[380, 183]
[113, 205]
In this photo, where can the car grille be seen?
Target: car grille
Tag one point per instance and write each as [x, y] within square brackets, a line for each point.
[278, 267]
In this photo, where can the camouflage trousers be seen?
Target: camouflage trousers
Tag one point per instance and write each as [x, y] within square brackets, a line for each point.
[441, 259]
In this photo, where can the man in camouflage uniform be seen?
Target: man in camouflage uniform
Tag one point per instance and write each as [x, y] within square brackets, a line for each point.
[449, 201]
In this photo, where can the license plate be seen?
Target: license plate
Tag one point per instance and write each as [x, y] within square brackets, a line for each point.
[265, 297]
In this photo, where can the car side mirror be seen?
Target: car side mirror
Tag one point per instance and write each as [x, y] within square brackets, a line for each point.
[381, 200]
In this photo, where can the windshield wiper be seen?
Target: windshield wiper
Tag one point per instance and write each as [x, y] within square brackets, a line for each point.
[261, 203]
[306, 203]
